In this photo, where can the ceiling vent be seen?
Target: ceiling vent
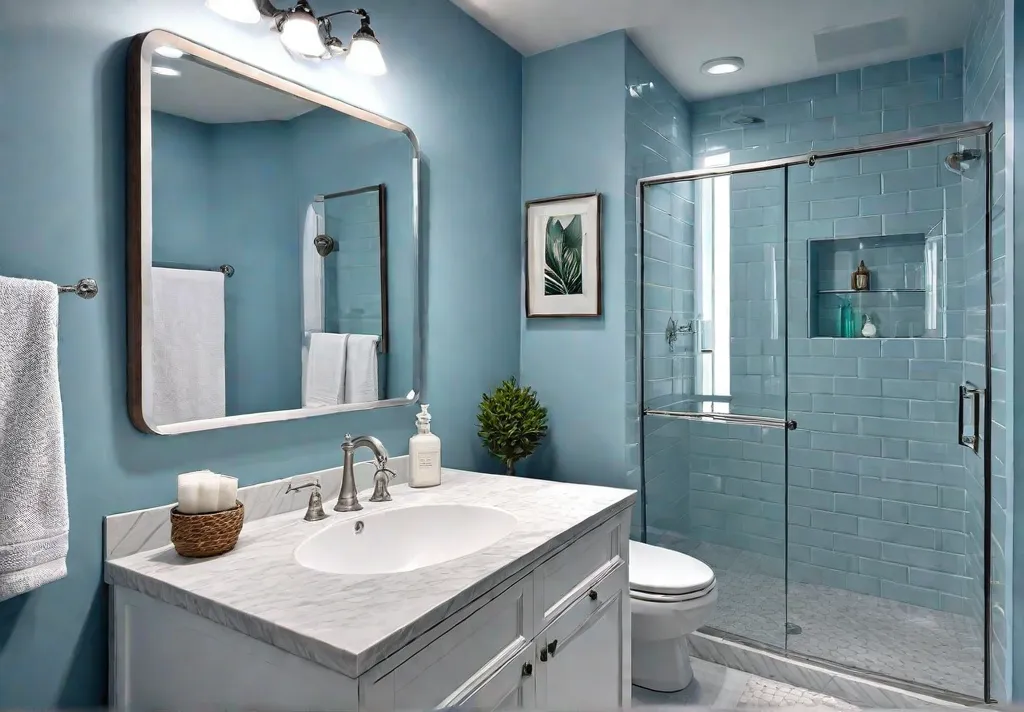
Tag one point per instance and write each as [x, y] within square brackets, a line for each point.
[846, 42]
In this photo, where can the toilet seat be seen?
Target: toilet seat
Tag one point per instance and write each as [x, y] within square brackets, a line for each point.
[666, 576]
[671, 598]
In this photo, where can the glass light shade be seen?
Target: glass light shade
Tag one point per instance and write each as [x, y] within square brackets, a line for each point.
[237, 10]
[166, 71]
[300, 33]
[723, 65]
[364, 56]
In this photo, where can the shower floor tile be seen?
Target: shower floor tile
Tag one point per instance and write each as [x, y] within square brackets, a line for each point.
[718, 687]
[921, 645]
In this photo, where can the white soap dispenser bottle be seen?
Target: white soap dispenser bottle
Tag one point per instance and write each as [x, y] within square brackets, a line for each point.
[424, 453]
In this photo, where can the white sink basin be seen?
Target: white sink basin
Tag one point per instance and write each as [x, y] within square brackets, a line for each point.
[397, 540]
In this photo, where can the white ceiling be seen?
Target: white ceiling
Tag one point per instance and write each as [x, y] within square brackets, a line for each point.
[215, 96]
[775, 37]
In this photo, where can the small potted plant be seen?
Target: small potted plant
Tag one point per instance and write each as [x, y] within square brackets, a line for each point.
[512, 423]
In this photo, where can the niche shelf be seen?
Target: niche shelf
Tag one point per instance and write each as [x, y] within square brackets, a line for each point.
[905, 299]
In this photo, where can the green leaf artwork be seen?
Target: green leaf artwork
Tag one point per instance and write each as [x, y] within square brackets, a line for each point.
[563, 255]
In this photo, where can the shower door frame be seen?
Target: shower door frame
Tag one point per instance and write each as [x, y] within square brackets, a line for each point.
[882, 142]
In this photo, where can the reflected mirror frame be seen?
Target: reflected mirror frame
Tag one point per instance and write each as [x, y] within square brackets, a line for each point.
[139, 247]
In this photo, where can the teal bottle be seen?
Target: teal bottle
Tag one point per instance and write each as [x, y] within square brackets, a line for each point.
[845, 319]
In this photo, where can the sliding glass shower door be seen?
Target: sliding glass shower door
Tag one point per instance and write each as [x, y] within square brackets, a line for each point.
[816, 376]
[886, 380]
[714, 363]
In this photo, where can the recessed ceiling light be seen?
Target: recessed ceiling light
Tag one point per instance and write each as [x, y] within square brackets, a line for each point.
[723, 65]
[170, 52]
[166, 72]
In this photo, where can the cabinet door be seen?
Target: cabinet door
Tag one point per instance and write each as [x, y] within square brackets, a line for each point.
[511, 688]
[583, 656]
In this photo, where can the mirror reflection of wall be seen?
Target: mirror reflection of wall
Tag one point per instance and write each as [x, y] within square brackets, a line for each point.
[237, 170]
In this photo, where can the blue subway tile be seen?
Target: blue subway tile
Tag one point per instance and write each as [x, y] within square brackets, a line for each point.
[882, 569]
[830, 521]
[858, 227]
[813, 88]
[910, 594]
[849, 103]
[883, 204]
[895, 533]
[858, 124]
[895, 120]
[948, 111]
[910, 492]
[910, 179]
[931, 65]
[860, 506]
[881, 75]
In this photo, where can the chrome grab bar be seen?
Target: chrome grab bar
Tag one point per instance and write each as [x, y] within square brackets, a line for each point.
[728, 418]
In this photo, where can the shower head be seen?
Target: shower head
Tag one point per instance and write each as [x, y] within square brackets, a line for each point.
[962, 162]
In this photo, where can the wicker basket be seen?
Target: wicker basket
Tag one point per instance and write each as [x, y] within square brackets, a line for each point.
[200, 535]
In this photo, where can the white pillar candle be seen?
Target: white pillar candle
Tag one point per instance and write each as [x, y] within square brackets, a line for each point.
[209, 492]
[227, 493]
[188, 493]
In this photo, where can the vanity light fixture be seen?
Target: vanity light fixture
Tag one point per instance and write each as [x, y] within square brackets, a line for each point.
[723, 65]
[166, 71]
[309, 35]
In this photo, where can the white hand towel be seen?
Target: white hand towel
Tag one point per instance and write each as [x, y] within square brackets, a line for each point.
[325, 370]
[187, 381]
[33, 488]
[361, 369]
[312, 274]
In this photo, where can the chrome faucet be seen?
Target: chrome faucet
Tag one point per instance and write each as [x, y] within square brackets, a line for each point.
[348, 500]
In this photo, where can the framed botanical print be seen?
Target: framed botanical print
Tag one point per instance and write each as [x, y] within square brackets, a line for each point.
[563, 256]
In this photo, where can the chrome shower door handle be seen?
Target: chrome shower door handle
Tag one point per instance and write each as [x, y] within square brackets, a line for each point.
[969, 391]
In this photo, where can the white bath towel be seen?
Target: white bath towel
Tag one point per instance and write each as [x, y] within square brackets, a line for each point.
[186, 381]
[325, 370]
[361, 369]
[33, 488]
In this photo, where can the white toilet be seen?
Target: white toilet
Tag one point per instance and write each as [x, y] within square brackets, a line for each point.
[672, 595]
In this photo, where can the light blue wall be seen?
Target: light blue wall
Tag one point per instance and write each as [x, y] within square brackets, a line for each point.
[253, 230]
[61, 217]
[877, 495]
[574, 142]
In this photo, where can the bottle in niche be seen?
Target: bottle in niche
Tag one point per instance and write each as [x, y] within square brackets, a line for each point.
[861, 279]
[846, 320]
[424, 453]
[868, 330]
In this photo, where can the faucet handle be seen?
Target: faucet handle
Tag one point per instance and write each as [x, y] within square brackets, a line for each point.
[380, 484]
[315, 508]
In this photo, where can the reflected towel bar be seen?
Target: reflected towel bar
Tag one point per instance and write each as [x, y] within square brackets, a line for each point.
[227, 270]
[730, 418]
[85, 288]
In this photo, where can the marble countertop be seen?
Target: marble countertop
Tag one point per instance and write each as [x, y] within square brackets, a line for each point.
[350, 623]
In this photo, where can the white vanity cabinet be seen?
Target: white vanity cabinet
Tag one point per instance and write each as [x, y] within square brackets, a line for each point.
[553, 636]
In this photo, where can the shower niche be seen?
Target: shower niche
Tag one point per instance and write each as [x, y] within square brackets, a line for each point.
[905, 286]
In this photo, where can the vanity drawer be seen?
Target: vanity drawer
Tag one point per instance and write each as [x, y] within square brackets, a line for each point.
[574, 572]
[452, 666]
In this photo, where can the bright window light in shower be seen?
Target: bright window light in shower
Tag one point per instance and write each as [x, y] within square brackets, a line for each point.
[714, 286]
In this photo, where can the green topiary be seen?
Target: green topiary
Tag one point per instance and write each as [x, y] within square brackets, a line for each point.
[512, 423]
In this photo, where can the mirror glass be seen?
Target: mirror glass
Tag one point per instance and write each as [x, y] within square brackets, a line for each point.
[278, 267]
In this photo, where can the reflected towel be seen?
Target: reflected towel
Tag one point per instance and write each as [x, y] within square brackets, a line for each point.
[361, 369]
[325, 370]
[33, 487]
[188, 381]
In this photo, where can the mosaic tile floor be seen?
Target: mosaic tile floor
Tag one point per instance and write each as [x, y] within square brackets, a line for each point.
[908, 642]
[719, 687]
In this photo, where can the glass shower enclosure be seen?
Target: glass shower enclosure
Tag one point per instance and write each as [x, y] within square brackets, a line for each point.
[814, 364]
